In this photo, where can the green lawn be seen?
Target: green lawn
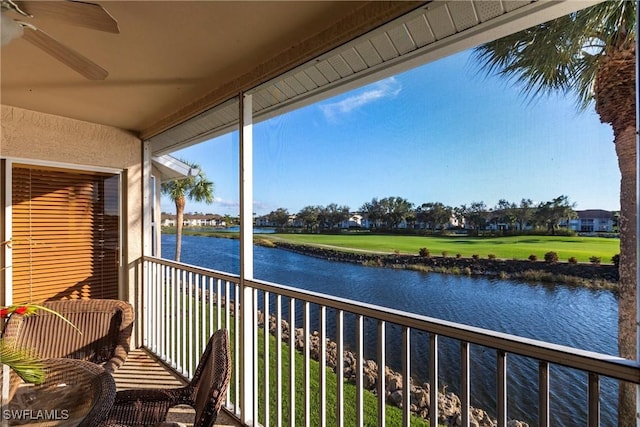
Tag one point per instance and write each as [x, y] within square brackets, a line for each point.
[510, 247]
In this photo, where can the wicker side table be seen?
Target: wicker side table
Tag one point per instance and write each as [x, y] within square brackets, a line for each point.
[74, 393]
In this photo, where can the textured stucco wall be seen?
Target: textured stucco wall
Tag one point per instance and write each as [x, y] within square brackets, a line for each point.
[29, 135]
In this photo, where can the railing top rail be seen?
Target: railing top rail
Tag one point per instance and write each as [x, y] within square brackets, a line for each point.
[194, 268]
[601, 364]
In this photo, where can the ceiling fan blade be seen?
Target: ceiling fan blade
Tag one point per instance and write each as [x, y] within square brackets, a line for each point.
[64, 54]
[89, 15]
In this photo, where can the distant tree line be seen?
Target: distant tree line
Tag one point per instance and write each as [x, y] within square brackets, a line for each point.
[391, 213]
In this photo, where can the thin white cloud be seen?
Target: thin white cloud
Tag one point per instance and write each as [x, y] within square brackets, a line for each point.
[232, 207]
[226, 203]
[387, 88]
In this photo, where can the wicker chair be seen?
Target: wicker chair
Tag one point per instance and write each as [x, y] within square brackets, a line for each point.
[106, 327]
[205, 393]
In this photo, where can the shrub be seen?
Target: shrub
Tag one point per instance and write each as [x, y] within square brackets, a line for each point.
[475, 256]
[425, 252]
[616, 260]
[573, 260]
[595, 260]
[445, 254]
[533, 257]
[491, 256]
[467, 271]
[458, 256]
[551, 257]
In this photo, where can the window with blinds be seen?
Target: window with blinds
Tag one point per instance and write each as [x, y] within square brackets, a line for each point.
[65, 234]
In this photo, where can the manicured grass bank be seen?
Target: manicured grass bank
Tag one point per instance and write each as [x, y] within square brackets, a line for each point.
[370, 406]
[393, 414]
[510, 247]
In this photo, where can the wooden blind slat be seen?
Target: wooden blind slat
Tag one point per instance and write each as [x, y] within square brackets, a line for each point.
[64, 243]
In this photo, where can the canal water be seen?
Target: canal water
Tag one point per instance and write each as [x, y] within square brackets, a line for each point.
[572, 316]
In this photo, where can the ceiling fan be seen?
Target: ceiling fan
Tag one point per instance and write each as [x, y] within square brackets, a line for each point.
[88, 15]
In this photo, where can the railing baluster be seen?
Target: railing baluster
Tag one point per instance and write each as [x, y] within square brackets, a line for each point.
[174, 317]
[218, 308]
[594, 400]
[279, 360]
[359, 369]
[465, 382]
[150, 303]
[406, 376]
[227, 304]
[183, 322]
[339, 368]
[254, 321]
[323, 366]
[267, 358]
[143, 300]
[195, 314]
[502, 388]
[433, 378]
[227, 325]
[166, 309]
[292, 362]
[205, 303]
[543, 394]
[382, 362]
[152, 308]
[166, 289]
[236, 344]
[211, 306]
[306, 331]
[160, 309]
[154, 305]
[189, 315]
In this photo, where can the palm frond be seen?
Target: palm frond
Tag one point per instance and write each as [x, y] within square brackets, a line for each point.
[43, 308]
[560, 56]
[24, 362]
[197, 188]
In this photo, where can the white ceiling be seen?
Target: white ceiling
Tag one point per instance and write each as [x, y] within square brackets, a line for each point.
[168, 54]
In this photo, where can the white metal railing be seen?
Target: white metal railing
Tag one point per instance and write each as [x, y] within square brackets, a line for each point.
[183, 305]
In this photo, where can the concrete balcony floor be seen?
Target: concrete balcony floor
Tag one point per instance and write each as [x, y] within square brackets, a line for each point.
[142, 370]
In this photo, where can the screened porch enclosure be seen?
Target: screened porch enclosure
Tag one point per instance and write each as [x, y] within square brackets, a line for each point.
[81, 209]
[305, 393]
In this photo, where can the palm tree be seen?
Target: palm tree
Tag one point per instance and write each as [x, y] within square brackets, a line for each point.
[196, 188]
[589, 54]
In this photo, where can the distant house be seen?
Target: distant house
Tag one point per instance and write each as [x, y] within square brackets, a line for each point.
[167, 220]
[261, 221]
[593, 221]
[356, 220]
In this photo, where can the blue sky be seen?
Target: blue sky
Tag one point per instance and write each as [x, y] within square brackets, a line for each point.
[444, 132]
